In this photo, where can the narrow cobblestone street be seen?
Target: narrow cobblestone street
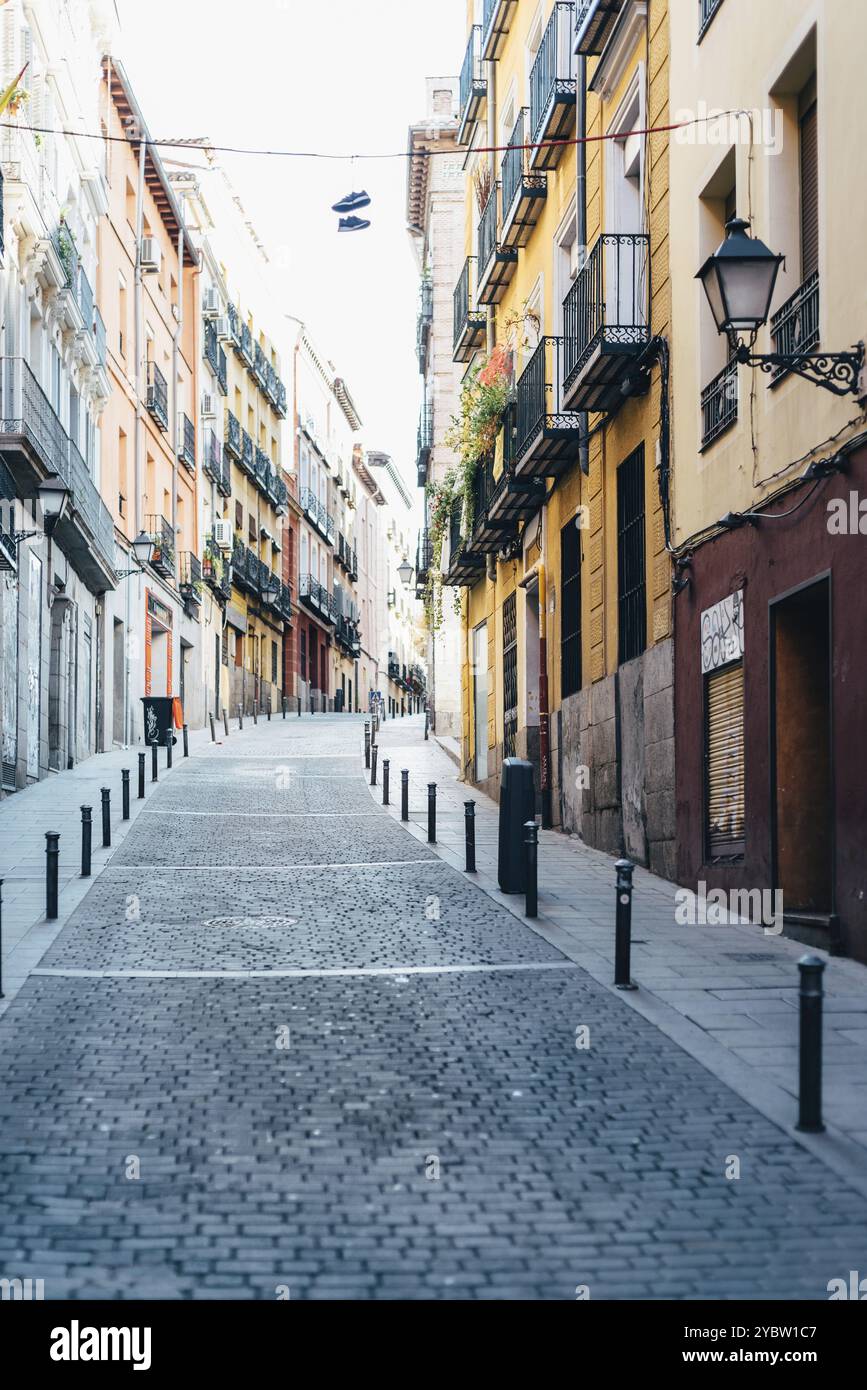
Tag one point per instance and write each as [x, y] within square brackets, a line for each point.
[281, 1044]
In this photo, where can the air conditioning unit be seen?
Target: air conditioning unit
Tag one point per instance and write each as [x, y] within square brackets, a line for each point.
[221, 323]
[209, 405]
[151, 255]
[223, 534]
[211, 305]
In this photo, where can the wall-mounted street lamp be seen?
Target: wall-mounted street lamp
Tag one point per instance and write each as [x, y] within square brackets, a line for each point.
[53, 495]
[739, 280]
[406, 571]
[142, 553]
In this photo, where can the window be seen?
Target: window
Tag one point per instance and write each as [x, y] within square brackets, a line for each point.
[724, 762]
[510, 675]
[121, 315]
[303, 650]
[239, 516]
[570, 609]
[273, 663]
[809, 169]
[631, 587]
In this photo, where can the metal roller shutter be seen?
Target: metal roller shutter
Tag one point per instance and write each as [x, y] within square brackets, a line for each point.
[724, 760]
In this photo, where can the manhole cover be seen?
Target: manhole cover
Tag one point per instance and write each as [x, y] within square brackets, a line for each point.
[747, 956]
[250, 923]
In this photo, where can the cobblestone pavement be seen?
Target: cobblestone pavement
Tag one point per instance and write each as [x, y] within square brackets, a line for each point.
[282, 1045]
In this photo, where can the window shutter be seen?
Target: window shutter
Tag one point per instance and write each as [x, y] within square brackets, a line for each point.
[724, 758]
[809, 192]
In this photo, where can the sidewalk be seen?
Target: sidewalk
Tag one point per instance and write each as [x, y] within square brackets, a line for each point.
[55, 804]
[727, 994]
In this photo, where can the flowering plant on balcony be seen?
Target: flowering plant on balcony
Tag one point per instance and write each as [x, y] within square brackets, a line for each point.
[441, 498]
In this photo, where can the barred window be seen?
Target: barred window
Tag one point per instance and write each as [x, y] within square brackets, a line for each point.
[570, 609]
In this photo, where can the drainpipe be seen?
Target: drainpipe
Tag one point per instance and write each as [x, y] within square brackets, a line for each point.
[581, 226]
[140, 387]
[492, 140]
[538, 573]
[176, 395]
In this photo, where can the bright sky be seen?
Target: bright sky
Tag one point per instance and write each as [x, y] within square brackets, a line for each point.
[338, 76]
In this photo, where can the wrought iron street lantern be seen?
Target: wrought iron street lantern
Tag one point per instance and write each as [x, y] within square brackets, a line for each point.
[739, 281]
[406, 571]
[142, 552]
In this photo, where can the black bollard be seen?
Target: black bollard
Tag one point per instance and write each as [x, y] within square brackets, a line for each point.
[86, 839]
[531, 884]
[169, 746]
[385, 767]
[470, 835]
[623, 925]
[124, 793]
[225, 721]
[141, 776]
[268, 712]
[106, 817]
[373, 755]
[810, 1065]
[404, 794]
[431, 813]
[255, 711]
[213, 734]
[240, 717]
[366, 744]
[154, 764]
[186, 741]
[284, 706]
[426, 723]
[52, 858]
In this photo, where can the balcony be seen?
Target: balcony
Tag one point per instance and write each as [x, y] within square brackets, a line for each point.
[34, 444]
[245, 346]
[280, 404]
[216, 357]
[594, 24]
[262, 475]
[469, 322]
[473, 88]
[496, 263]
[157, 401]
[224, 482]
[424, 324]
[606, 321]
[513, 498]
[232, 441]
[719, 404]
[466, 565]
[496, 22]
[280, 495]
[187, 443]
[216, 570]
[546, 433]
[234, 327]
[425, 443]
[423, 561]
[326, 524]
[316, 597]
[163, 537]
[552, 90]
[795, 326]
[352, 564]
[260, 368]
[523, 192]
[346, 635]
[248, 454]
[190, 580]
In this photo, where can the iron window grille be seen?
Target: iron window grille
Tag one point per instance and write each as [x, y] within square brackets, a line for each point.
[631, 578]
[570, 609]
[719, 403]
[510, 675]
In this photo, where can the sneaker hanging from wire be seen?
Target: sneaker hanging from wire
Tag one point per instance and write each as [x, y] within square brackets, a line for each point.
[353, 224]
[353, 202]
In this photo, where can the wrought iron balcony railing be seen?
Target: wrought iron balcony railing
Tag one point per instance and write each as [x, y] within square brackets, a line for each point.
[523, 192]
[795, 326]
[216, 357]
[496, 21]
[245, 347]
[719, 403]
[190, 577]
[160, 531]
[606, 317]
[473, 87]
[248, 454]
[496, 262]
[234, 326]
[260, 366]
[232, 441]
[424, 323]
[594, 24]
[157, 396]
[546, 433]
[469, 322]
[280, 404]
[224, 482]
[423, 554]
[552, 89]
[187, 443]
[425, 442]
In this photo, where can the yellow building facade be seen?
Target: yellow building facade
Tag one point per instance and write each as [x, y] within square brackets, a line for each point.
[559, 536]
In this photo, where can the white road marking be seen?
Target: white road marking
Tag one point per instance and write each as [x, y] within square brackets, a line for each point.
[302, 973]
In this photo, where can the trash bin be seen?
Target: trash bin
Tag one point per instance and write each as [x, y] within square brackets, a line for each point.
[158, 711]
[517, 805]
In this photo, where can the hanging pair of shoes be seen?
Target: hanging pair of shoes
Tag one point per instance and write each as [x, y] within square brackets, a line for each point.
[352, 203]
